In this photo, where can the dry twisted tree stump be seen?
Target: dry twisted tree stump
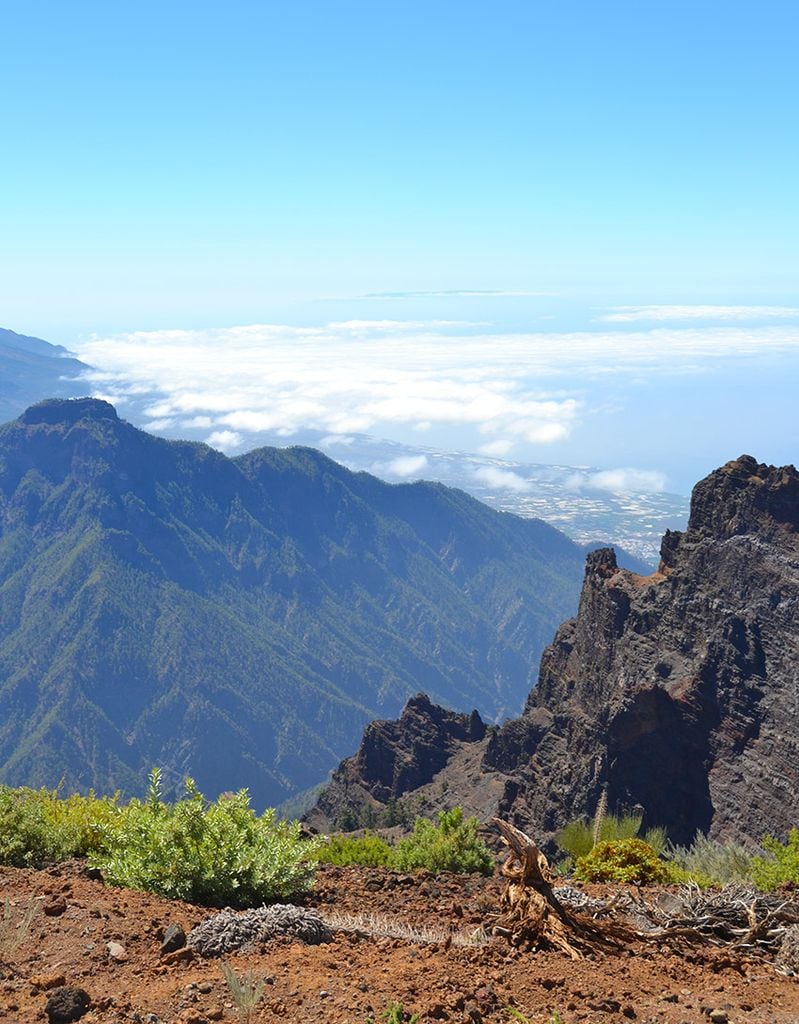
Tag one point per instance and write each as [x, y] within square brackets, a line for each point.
[531, 917]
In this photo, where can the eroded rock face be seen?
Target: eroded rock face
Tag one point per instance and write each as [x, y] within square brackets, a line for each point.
[678, 691]
[395, 758]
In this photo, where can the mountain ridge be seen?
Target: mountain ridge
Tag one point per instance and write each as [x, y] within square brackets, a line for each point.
[242, 619]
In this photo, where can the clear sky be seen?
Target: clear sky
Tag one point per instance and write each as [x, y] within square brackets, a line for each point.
[201, 165]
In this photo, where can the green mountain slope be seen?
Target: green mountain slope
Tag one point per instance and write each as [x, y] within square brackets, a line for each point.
[242, 619]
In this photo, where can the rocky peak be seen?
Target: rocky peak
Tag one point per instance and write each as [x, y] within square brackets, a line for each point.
[68, 411]
[745, 496]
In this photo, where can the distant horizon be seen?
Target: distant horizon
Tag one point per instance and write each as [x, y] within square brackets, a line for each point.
[562, 233]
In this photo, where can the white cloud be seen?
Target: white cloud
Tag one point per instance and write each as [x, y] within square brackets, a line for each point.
[406, 465]
[633, 314]
[647, 481]
[330, 440]
[502, 479]
[225, 440]
[378, 376]
[499, 447]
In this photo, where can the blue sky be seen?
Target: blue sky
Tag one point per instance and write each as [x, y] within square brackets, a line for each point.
[202, 165]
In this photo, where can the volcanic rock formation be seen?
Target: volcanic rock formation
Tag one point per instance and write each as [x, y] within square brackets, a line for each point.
[677, 692]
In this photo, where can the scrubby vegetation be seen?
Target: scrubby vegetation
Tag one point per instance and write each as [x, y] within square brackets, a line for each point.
[213, 853]
[709, 862]
[449, 844]
[622, 860]
[219, 853]
[780, 865]
[580, 836]
[368, 850]
[40, 826]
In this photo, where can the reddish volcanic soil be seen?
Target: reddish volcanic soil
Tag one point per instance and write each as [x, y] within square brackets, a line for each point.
[353, 977]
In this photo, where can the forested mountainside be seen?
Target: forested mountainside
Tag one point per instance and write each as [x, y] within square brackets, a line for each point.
[30, 369]
[676, 692]
[241, 620]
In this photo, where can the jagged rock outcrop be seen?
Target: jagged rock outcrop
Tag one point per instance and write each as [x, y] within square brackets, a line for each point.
[396, 758]
[677, 692]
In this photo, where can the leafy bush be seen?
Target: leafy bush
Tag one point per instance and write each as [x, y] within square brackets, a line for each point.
[220, 853]
[579, 837]
[781, 863]
[709, 862]
[39, 826]
[369, 850]
[623, 860]
[450, 845]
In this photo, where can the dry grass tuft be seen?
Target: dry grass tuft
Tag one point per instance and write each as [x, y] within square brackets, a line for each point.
[385, 926]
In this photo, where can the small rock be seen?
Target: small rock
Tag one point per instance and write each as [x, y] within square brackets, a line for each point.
[205, 987]
[216, 1013]
[116, 951]
[324, 994]
[180, 956]
[174, 938]
[44, 982]
[66, 1004]
[719, 1017]
[56, 906]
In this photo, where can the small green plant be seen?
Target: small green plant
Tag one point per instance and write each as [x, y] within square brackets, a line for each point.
[554, 1017]
[219, 853]
[779, 865]
[622, 860]
[395, 1013]
[13, 931]
[369, 850]
[450, 844]
[246, 991]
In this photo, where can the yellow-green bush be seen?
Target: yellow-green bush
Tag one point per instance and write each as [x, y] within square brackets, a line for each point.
[625, 860]
[781, 863]
[451, 843]
[368, 850]
[39, 826]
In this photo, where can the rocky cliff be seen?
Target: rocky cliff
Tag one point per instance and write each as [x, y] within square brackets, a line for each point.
[679, 691]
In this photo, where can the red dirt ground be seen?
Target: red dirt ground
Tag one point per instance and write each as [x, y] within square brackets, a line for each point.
[353, 978]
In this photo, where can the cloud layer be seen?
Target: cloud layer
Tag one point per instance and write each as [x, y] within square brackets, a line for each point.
[492, 391]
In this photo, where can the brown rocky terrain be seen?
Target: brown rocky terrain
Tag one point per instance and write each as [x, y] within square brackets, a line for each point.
[107, 942]
[677, 692]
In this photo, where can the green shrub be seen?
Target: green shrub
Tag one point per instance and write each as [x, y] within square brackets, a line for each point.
[622, 860]
[220, 853]
[579, 837]
[708, 862]
[368, 850]
[450, 845]
[781, 864]
[39, 826]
